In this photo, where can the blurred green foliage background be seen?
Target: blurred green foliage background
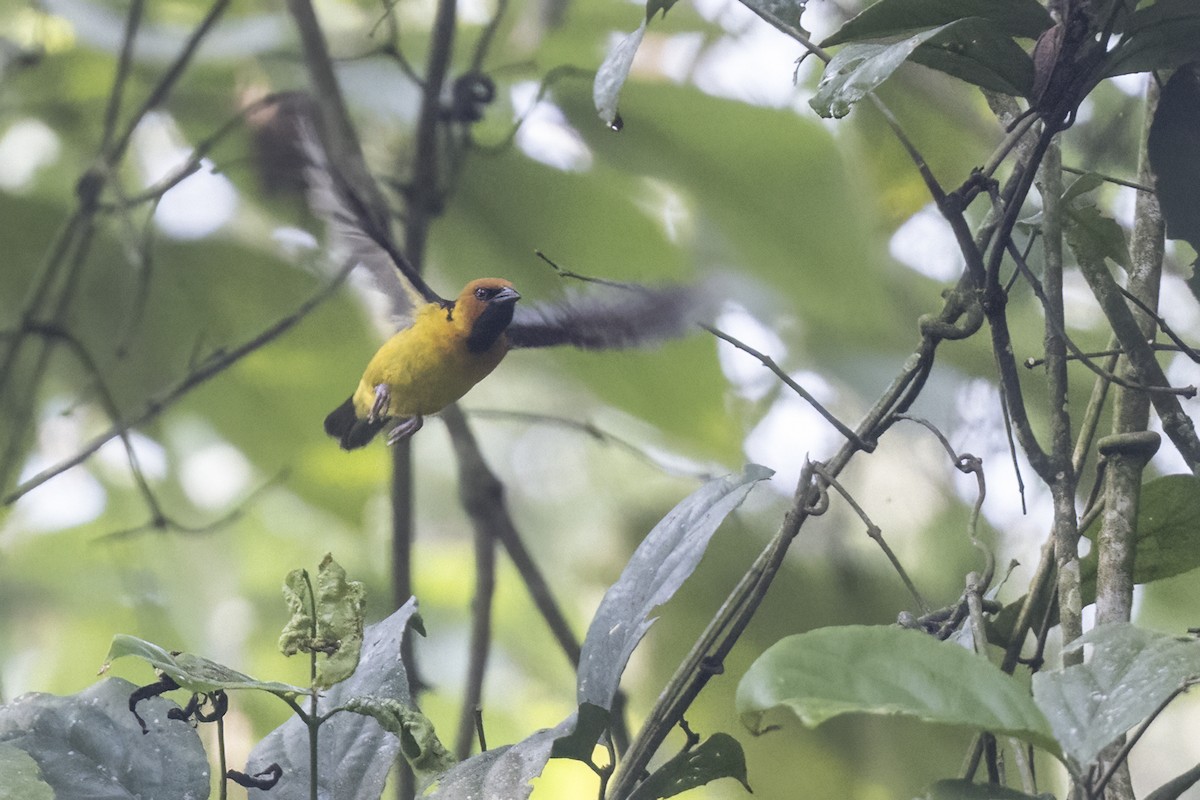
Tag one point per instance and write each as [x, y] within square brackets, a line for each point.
[721, 168]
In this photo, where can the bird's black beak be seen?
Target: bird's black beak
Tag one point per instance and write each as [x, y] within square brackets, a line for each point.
[506, 295]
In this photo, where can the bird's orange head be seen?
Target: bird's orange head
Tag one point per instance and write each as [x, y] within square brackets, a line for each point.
[484, 308]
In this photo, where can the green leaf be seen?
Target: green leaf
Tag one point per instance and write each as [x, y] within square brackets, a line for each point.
[592, 722]
[612, 74]
[858, 69]
[958, 789]
[659, 566]
[1025, 18]
[20, 778]
[971, 49]
[88, 745]
[1093, 236]
[336, 633]
[1130, 673]
[886, 670]
[1168, 544]
[1168, 528]
[976, 51]
[1088, 182]
[718, 756]
[191, 672]
[1160, 36]
[419, 742]
[502, 772]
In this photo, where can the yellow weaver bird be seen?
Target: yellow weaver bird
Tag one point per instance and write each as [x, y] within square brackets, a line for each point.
[444, 347]
[427, 366]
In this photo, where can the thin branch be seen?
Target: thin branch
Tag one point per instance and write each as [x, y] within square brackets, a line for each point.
[1112, 352]
[213, 366]
[133, 21]
[483, 499]
[195, 160]
[1141, 187]
[170, 77]
[1076, 353]
[1179, 345]
[488, 35]
[876, 533]
[549, 80]
[770, 364]
[161, 522]
[593, 431]
[56, 333]
[968, 465]
[1176, 423]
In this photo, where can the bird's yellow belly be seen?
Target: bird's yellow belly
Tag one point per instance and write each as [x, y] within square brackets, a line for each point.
[424, 376]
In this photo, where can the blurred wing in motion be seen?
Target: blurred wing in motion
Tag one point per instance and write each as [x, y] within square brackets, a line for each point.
[611, 316]
[359, 234]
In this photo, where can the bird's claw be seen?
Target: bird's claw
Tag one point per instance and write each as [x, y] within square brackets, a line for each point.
[383, 399]
[405, 429]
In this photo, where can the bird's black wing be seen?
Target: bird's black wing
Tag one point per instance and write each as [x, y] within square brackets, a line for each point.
[610, 316]
[365, 238]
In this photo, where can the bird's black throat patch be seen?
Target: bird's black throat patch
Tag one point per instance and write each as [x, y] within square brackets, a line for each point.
[488, 327]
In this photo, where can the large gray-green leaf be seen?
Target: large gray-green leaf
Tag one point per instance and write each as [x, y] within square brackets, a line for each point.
[89, 745]
[355, 752]
[502, 773]
[1026, 18]
[886, 670]
[659, 566]
[20, 778]
[1130, 672]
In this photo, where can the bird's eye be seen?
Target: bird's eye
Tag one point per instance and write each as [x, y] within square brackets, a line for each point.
[484, 294]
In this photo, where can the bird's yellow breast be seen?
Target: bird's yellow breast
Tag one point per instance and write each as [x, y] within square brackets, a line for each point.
[427, 366]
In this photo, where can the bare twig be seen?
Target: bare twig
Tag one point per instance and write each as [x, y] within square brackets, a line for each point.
[770, 364]
[213, 366]
[1112, 352]
[876, 534]
[483, 498]
[594, 431]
